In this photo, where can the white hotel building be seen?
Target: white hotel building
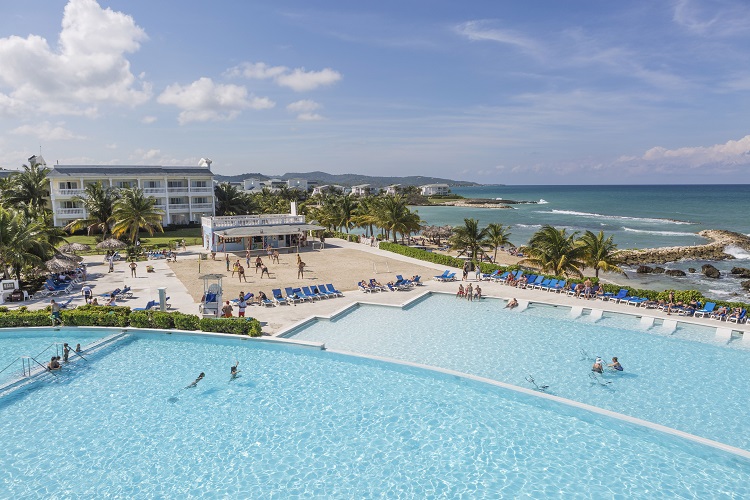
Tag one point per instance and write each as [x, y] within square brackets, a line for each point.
[185, 194]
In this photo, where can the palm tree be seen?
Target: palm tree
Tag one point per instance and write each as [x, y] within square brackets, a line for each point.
[23, 241]
[28, 189]
[366, 213]
[99, 203]
[468, 238]
[600, 253]
[135, 211]
[497, 236]
[553, 250]
[230, 200]
[347, 206]
[394, 216]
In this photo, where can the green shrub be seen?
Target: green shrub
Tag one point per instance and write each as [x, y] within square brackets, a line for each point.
[162, 320]
[141, 319]
[236, 326]
[185, 321]
[354, 238]
[436, 258]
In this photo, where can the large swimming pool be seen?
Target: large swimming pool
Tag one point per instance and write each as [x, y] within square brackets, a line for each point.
[304, 422]
[686, 381]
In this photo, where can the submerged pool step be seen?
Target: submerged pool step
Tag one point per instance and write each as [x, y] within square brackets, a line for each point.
[647, 322]
[669, 326]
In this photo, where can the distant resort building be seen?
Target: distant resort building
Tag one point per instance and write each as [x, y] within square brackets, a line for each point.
[328, 189]
[393, 189]
[253, 185]
[239, 233]
[434, 190]
[185, 194]
[360, 190]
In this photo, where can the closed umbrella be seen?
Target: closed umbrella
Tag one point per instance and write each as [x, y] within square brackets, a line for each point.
[74, 247]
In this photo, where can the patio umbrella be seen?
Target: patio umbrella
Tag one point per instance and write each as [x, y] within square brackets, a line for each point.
[69, 256]
[59, 264]
[111, 244]
[74, 247]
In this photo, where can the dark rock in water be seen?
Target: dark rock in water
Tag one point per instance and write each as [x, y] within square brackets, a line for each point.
[745, 284]
[710, 271]
[658, 270]
[691, 269]
[674, 272]
[644, 270]
[741, 272]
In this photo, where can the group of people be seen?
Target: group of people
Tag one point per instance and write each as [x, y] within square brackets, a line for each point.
[234, 372]
[54, 363]
[470, 292]
[598, 366]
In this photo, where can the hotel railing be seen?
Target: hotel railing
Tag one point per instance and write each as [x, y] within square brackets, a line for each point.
[255, 220]
[196, 189]
[179, 206]
[200, 206]
[69, 192]
[69, 211]
[154, 190]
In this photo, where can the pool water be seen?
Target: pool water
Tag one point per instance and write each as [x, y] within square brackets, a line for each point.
[301, 422]
[39, 344]
[685, 381]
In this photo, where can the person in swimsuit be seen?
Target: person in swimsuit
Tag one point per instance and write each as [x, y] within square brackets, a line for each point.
[78, 347]
[598, 368]
[53, 364]
[195, 382]
[66, 352]
[615, 365]
[233, 371]
[511, 304]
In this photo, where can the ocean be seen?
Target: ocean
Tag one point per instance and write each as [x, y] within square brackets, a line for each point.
[637, 217]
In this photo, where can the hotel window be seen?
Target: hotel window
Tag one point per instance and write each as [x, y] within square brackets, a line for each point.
[200, 200]
[125, 184]
[199, 184]
[68, 185]
[151, 184]
[68, 204]
[175, 184]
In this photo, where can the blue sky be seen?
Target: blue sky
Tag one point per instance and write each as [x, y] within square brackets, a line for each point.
[538, 92]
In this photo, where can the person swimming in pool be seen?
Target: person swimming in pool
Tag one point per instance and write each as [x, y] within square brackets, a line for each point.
[195, 382]
[615, 365]
[233, 371]
[598, 365]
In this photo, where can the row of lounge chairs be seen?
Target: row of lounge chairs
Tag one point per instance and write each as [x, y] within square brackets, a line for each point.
[698, 310]
[302, 294]
[399, 284]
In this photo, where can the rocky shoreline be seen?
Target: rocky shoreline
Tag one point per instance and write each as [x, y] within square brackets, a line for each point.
[714, 250]
[484, 203]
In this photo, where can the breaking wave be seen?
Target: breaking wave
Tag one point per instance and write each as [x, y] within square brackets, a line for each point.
[542, 201]
[659, 233]
[614, 217]
[737, 252]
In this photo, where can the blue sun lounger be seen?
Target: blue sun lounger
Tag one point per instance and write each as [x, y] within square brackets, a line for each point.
[707, 309]
[332, 289]
[442, 276]
[278, 298]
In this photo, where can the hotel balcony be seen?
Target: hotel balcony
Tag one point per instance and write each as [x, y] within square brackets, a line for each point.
[202, 206]
[252, 220]
[179, 206]
[177, 189]
[68, 192]
[78, 212]
[195, 189]
[152, 191]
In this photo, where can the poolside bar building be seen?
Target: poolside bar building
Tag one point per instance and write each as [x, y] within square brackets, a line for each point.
[238, 233]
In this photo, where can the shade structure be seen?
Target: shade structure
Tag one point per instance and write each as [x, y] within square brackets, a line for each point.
[58, 264]
[111, 244]
[70, 256]
[74, 247]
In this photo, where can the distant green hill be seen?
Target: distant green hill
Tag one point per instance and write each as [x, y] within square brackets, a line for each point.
[349, 179]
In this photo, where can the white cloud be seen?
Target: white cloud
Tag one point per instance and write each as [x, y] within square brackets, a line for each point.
[256, 71]
[47, 131]
[303, 105]
[309, 117]
[481, 31]
[148, 119]
[87, 66]
[729, 153]
[297, 79]
[300, 80]
[204, 100]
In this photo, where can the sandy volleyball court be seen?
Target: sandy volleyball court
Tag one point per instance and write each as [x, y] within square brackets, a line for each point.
[343, 267]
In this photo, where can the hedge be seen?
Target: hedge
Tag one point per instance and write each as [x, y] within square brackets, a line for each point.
[487, 268]
[353, 238]
[122, 317]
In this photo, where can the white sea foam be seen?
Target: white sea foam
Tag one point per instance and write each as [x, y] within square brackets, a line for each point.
[542, 201]
[719, 292]
[614, 217]
[659, 233]
[532, 226]
[737, 252]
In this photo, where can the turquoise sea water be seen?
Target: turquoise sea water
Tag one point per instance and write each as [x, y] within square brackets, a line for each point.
[306, 423]
[637, 217]
[695, 386]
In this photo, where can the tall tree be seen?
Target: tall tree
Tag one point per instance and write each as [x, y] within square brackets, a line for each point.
[23, 241]
[230, 200]
[468, 238]
[395, 217]
[555, 251]
[135, 211]
[99, 203]
[347, 207]
[497, 236]
[600, 252]
[28, 189]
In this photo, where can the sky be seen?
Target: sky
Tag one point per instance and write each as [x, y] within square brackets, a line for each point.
[496, 91]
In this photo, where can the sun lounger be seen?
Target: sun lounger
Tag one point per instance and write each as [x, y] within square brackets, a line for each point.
[364, 289]
[125, 293]
[552, 284]
[450, 277]
[740, 319]
[707, 310]
[301, 296]
[322, 292]
[491, 276]
[306, 291]
[267, 302]
[278, 298]
[67, 304]
[544, 283]
[559, 287]
[149, 305]
[291, 296]
[332, 289]
[418, 280]
[442, 276]
[616, 297]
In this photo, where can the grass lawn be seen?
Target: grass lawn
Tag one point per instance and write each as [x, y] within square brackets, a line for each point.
[192, 236]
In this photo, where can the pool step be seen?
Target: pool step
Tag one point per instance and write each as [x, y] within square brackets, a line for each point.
[596, 315]
[723, 333]
[669, 326]
[576, 311]
[647, 322]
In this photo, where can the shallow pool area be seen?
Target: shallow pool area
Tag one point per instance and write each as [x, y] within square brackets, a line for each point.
[305, 422]
[686, 380]
[41, 343]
